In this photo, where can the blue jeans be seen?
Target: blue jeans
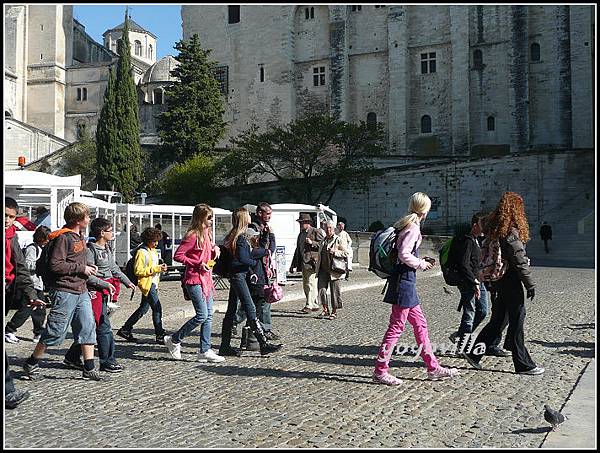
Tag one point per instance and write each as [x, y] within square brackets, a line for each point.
[238, 290]
[69, 309]
[105, 338]
[474, 310]
[149, 301]
[203, 318]
[264, 315]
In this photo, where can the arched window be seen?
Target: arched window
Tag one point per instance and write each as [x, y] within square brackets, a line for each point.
[262, 74]
[119, 44]
[491, 123]
[478, 58]
[371, 119]
[234, 14]
[425, 124]
[158, 96]
[138, 48]
[306, 14]
[85, 94]
[150, 51]
[312, 13]
[535, 52]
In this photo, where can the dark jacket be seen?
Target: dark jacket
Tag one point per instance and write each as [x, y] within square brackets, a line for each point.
[306, 256]
[513, 250]
[22, 283]
[68, 260]
[464, 256]
[242, 260]
[266, 241]
[546, 232]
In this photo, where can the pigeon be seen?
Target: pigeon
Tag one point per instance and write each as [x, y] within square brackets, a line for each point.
[446, 290]
[553, 417]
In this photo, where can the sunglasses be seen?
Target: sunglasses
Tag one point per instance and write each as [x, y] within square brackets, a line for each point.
[108, 231]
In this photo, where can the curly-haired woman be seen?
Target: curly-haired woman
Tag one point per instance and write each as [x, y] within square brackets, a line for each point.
[508, 224]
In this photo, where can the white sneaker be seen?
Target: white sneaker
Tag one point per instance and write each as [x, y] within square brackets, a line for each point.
[36, 338]
[210, 356]
[112, 305]
[442, 373]
[10, 337]
[174, 348]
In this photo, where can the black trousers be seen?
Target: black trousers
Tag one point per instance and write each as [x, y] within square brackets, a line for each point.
[510, 299]
[496, 341]
[38, 316]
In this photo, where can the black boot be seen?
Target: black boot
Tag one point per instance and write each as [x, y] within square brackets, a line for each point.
[265, 346]
[226, 349]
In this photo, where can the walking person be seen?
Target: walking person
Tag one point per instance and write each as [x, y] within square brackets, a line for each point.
[148, 269]
[402, 293]
[68, 272]
[104, 287]
[546, 235]
[331, 267]
[238, 245]
[508, 224]
[198, 252]
[38, 316]
[464, 256]
[345, 237]
[305, 260]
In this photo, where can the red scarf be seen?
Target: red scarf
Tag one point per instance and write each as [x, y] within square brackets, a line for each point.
[9, 274]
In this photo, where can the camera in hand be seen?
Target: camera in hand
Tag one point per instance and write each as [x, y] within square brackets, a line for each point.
[429, 259]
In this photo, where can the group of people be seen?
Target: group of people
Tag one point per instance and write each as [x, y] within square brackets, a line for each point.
[83, 279]
[508, 225]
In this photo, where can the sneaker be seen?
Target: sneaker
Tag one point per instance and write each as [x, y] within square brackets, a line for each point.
[10, 337]
[174, 348]
[112, 306]
[72, 364]
[498, 352]
[534, 371]
[33, 372]
[127, 335]
[36, 338]
[229, 351]
[442, 373]
[112, 368]
[210, 356]
[475, 364]
[270, 335]
[13, 399]
[91, 375]
[386, 379]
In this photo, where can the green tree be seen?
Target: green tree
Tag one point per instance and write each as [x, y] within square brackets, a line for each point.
[193, 122]
[311, 157]
[118, 143]
[80, 159]
[192, 181]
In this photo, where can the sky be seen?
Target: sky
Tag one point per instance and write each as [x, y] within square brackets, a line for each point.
[164, 21]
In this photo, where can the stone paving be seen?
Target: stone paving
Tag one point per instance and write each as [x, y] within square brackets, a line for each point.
[317, 392]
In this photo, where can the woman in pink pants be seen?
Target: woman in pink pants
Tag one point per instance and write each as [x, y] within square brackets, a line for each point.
[402, 293]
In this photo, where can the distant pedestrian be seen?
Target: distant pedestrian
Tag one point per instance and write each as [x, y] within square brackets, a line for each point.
[147, 269]
[402, 293]
[305, 260]
[332, 252]
[198, 252]
[38, 316]
[135, 240]
[164, 245]
[546, 235]
[508, 224]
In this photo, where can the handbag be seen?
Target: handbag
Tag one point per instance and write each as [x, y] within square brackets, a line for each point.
[273, 292]
[338, 265]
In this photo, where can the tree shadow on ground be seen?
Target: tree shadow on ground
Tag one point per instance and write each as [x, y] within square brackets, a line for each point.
[588, 348]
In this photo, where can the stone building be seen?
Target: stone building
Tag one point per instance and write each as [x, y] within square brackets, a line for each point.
[444, 80]
[55, 76]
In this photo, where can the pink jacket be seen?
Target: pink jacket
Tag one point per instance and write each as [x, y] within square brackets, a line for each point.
[405, 243]
[193, 257]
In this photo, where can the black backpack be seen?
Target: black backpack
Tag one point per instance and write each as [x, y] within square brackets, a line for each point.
[42, 265]
[383, 253]
[129, 267]
[222, 268]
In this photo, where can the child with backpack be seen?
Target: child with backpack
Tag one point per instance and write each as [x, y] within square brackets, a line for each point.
[103, 287]
[198, 252]
[402, 293]
[38, 316]
[147, 269]
[66, 280]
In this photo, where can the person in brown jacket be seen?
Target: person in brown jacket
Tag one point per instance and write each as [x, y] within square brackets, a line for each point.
[305, 260]
[68, 273]
[508, 224]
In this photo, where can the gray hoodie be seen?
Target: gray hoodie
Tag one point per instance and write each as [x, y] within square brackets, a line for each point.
[107, 268]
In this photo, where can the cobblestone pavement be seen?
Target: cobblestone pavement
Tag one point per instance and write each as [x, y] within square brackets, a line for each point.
[317, 391]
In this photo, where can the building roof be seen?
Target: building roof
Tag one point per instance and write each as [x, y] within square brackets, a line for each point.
[161, 70]
[133, 26]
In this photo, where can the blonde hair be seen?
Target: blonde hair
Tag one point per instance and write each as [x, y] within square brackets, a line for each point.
[75, 212]
[240, 219]
[419, 203]
[201, 212]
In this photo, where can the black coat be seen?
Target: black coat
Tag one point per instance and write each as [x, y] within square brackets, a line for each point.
[513, 250]
[464, 256]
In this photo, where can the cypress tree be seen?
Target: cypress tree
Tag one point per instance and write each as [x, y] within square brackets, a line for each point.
[119, 151]
[193, 122]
